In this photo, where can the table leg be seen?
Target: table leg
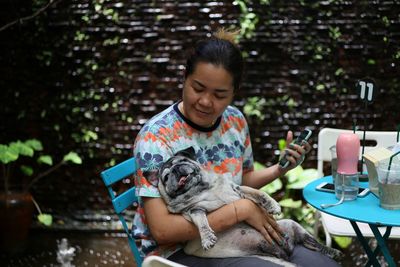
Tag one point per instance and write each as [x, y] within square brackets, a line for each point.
[364, 243]
[382, 243]
[385, 236]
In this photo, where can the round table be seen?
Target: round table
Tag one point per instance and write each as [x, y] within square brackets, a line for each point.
[363, 209]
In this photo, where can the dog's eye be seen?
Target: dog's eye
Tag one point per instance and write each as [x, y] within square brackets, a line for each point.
[165, 174]
[165, 178]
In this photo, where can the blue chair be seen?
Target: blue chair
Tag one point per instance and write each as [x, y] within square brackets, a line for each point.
[125, 200]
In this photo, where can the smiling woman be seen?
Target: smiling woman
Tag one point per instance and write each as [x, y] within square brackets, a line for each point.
[218, 133]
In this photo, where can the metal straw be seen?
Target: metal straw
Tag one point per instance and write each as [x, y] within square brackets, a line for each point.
[390, 164]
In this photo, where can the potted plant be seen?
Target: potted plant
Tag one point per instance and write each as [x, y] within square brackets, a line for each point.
[23, 165]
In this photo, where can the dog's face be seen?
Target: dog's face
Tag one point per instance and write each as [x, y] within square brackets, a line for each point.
[180, 173]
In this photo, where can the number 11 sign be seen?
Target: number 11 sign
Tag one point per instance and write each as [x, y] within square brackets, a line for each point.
[366, 89]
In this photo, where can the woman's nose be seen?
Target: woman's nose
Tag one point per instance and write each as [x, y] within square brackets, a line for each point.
[206, 100]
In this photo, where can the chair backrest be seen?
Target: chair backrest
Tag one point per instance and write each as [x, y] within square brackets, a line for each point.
[123, 200]
[327, 138]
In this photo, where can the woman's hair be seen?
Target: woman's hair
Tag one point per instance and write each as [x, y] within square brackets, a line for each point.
[219, 50]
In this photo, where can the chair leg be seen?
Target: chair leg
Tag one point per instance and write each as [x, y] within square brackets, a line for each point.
[317, 225]
[328, 237]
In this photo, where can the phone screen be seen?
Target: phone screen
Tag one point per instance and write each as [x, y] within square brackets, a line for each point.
[330, 186]
[304, 135]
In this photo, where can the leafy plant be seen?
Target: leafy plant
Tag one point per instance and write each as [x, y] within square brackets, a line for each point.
[11, 156]
[254, 106]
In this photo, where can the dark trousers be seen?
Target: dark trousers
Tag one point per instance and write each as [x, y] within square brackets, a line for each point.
[301, 256]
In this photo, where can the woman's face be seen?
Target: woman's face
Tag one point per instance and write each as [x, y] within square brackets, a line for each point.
[206, 94]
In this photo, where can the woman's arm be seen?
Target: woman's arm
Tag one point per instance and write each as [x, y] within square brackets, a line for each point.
[169, 228]
[258, 179]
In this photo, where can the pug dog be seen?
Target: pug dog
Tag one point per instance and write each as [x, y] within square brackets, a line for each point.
[190, 190]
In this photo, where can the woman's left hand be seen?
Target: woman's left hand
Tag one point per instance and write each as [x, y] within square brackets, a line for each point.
[295, 153]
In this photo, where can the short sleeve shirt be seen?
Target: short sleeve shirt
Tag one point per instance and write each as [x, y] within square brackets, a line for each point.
[223, 148]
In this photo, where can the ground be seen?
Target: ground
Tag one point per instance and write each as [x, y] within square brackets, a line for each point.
[105, 249]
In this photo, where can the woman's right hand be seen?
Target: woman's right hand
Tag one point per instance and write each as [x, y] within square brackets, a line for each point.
[259, 219]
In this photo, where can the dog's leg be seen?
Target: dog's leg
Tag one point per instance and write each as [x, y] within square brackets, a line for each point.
[296, 234]
[207, 235]
[260, 198]
[310, 243]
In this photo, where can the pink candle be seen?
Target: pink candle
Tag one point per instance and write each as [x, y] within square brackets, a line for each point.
[348, 151]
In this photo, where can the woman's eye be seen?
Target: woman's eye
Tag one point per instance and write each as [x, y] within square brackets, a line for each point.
[220, 96]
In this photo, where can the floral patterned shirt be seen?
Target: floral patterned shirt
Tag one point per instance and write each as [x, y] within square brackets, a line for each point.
[223, 148]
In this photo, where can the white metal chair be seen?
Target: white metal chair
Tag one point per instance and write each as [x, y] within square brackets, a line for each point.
[333, 225]
[155, 261]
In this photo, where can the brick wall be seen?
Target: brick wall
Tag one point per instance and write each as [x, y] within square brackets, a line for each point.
[106, 67]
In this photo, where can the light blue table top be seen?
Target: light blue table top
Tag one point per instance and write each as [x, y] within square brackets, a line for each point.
[365, 209]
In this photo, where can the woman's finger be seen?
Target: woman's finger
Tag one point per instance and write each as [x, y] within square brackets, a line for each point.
[307, 146]
[276, 235]
[273, 228]
[293, 156]
[298, 148]
[266, 235]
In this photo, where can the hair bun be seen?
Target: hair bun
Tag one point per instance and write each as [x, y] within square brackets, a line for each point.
[227, 35]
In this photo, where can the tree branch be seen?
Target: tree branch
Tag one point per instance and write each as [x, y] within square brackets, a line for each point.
[21, 20]
[43, 174]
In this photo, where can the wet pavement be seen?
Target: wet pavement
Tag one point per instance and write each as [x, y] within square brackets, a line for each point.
[99, 248]
[84, 248]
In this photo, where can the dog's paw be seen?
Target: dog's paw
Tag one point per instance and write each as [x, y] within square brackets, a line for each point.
[268, 203]
[208, 240]
[274, 208]
[335, 254]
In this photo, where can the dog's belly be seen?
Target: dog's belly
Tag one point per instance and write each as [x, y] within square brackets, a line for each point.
[238, 241]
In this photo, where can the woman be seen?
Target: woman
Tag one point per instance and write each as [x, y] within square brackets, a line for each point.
[219, 134]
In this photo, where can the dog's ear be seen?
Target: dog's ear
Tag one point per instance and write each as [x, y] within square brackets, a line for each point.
[187, 152]
[152, 177]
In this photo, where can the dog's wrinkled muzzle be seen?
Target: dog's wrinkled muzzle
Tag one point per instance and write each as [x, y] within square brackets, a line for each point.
[180, 175]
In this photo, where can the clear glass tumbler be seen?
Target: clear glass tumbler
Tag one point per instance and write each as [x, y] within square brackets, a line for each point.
[347, 184]
[389, 185]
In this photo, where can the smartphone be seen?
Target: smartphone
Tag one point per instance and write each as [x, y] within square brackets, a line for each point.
[329, 187]
[304, 136]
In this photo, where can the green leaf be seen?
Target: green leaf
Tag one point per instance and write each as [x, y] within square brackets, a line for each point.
[73, 157]
[258, 166]
[34, 144]
[303, 178]
[8, 154]
[45, 219]
[22, 148]
[290, 203]
[45, 159]
[281, 144]
[272, 187]
[342, 241]
[294, 174]
[27, 170]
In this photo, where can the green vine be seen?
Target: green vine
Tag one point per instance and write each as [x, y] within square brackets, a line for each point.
[248, 19]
